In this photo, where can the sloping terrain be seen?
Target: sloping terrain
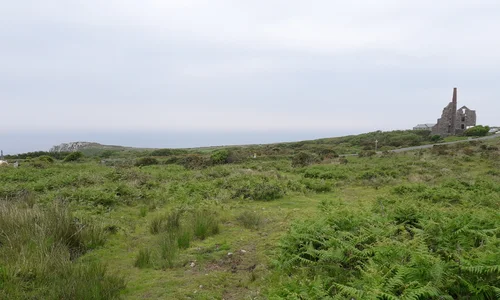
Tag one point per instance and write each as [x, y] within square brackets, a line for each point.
[292, 223]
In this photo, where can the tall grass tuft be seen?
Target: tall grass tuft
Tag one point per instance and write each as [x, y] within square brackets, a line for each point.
[157, 224]
[144, 259]
[205, 223]
[143, 211]
[250, 219]
[169, 249]
[166, 223]
[184, 237]
[38, 248]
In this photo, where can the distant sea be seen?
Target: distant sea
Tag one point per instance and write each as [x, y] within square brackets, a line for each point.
[20, 142]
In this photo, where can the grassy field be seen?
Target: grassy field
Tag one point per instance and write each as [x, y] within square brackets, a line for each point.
[296, 222]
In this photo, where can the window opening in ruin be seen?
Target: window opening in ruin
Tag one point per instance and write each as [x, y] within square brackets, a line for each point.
[463, 126]
[463, 118]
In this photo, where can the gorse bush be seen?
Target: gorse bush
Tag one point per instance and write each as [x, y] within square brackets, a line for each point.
[146, 161]
[258, 186]
[73, 156]
[367, 153]
[220, 157]
[478, 130]
[326, 172]
[46, 158]
[194, 161]
[435, 138]
[318, 185]
[303, 159]
[168, 152]
[264, 191]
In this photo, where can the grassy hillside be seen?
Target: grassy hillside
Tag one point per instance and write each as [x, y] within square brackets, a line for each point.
[296, 222]
[341, 145]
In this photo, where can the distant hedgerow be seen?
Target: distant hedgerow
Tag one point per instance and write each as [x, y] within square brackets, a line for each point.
[73, 156]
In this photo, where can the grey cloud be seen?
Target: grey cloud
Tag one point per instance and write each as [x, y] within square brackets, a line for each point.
[211, 64]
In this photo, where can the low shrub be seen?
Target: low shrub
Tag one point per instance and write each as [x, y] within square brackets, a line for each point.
[38, 164]
[326, 172]
[440, 149]
[468, 151]
[260, 191]
[367, 153]
[146, 161]
[478, 130]
[435, 138]
[303, 159]
[318, 185]
[73, 156]
[46, 158]
[168, 152]
[108, 153]
[92, 195]
[194, 161]
[261, 187]
[250, 219]
[220, 157]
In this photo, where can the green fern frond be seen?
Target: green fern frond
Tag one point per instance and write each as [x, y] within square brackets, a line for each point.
[349, 291]
[386, 296]
[482, 270]
[424, 292]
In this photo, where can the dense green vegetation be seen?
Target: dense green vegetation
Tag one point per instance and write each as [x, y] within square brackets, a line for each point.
[477, 131]
[295, 222]
[327, 147]
[28, 155]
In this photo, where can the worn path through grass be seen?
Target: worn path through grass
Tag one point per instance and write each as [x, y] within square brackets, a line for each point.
[233, 264]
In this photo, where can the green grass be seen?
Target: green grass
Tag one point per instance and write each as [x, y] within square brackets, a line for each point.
[169, 249]
[250, 219]
[204, 223]
[40, 250]
[254, 228]
[144, 258]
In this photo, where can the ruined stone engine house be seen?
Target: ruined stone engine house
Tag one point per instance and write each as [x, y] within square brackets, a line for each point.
[454, 121]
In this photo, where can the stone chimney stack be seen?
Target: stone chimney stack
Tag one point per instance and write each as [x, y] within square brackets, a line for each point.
[454, 112]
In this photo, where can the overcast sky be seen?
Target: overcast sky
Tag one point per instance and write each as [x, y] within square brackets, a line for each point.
[244, 66]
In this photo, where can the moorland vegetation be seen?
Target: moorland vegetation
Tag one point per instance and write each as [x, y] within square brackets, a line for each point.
[281, 221]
